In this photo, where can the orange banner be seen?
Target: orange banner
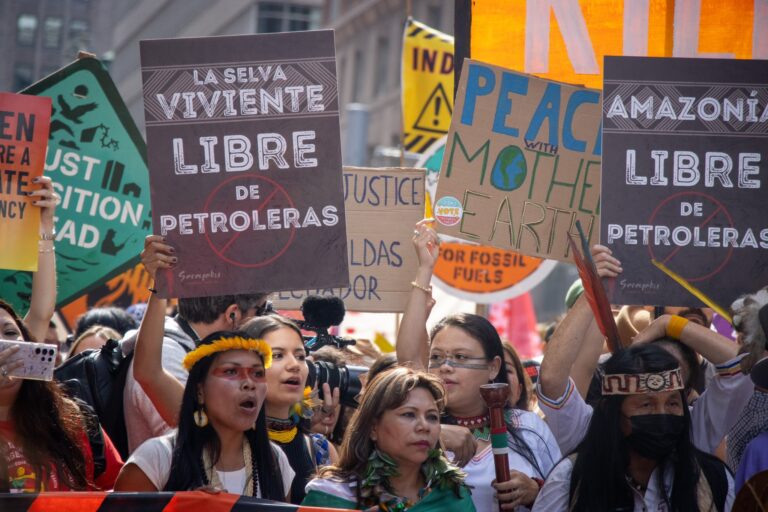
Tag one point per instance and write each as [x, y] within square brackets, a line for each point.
[566, 40]
[24, 128]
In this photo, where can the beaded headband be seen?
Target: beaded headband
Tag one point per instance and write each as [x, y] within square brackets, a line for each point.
[233, 343]
[639, 383]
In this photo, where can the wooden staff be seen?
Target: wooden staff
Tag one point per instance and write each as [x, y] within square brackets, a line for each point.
[496, 396]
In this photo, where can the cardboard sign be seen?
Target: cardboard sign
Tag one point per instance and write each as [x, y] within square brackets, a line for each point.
[382, 206]
[245, 160]
[96, 158]
[427, 85]
[24, 126]
[684, 182]
[522, 162]
[567, 40]
[479, 273]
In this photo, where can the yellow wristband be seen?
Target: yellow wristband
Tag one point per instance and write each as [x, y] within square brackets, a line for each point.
[675, 326]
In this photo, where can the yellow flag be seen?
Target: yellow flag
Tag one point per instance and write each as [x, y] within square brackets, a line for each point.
[383, 343]
[427, 85]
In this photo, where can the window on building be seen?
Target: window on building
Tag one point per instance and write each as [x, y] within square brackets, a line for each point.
[52, 32]
[357, 76]
[78, 36]
[287, 17]
[382, 59]
[22, 76]
[26, 29]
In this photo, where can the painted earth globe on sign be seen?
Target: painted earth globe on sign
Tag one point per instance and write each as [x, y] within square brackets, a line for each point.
[510, 169]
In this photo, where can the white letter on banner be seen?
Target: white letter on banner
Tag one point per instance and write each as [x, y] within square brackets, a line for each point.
[178, 159]
[237, 153]
[276, 152]
[573, 29]
[686, 35]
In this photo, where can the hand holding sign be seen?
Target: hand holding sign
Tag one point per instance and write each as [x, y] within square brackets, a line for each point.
[46, 199]
[605, 263]
[157, 255]
[426, 243]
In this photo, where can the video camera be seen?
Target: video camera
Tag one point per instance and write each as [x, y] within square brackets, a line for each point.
[320, 313]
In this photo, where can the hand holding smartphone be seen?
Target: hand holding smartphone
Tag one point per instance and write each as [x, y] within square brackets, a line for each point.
[30, 360]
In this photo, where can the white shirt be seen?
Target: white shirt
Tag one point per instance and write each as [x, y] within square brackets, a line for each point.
[554, 496]
[154, 456]
[712, 415]
[142, 421]
[481, 471]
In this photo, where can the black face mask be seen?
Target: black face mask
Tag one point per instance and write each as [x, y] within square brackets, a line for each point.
[655, 436]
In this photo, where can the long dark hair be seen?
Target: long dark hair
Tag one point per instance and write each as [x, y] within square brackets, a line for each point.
[485, 333]
[49, 428]
[187, 470]
[598, 481]
[526, 387]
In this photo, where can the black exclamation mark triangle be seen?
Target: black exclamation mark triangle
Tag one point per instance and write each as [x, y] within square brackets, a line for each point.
[435, 115]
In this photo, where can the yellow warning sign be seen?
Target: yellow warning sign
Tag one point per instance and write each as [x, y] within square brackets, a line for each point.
[427, 85]
[432, 118]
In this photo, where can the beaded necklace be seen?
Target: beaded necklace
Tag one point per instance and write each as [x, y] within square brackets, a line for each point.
[251, 484]
[478, 425]
[281, 430]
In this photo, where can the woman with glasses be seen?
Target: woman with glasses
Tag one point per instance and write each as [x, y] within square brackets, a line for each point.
[465, 351]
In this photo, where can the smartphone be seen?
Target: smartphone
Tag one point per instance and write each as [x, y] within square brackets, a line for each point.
[39, 359]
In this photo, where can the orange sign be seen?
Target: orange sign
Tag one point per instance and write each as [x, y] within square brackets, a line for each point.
[485, 270]
[24, 126]
[474, 272]
[566, 40]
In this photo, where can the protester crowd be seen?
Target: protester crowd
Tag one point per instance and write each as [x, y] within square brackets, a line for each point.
[219, 397]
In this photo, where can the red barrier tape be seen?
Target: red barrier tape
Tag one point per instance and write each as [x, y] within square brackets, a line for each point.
[191, 501]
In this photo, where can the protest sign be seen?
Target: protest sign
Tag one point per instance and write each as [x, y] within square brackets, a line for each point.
[245, 160]
[427, 83]
[96, 158]
[383, 205]
[522, 162]
[479, 273]
[684, 142]
[123, 290]
[24, 126]
[567, 39]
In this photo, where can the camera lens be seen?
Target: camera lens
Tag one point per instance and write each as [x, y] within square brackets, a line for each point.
[347, 379]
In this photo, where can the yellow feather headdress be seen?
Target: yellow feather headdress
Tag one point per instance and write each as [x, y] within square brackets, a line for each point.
[232, 343]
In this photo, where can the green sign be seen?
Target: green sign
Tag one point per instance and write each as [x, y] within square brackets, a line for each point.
[97, 160]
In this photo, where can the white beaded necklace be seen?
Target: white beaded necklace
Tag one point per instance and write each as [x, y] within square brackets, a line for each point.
[213, 475]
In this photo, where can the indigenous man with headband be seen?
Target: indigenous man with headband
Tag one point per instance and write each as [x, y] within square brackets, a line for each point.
[637, 453]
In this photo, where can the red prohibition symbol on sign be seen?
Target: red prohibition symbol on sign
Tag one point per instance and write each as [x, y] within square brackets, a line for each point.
[263, 246]
[684, 260]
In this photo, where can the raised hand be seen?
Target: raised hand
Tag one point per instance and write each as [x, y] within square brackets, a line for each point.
[157, 255]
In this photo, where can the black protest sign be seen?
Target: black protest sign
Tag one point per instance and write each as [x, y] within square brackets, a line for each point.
[245, 162]
[682, 179]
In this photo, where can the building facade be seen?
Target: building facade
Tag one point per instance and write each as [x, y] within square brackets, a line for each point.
[37, 37]
[369, 41]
